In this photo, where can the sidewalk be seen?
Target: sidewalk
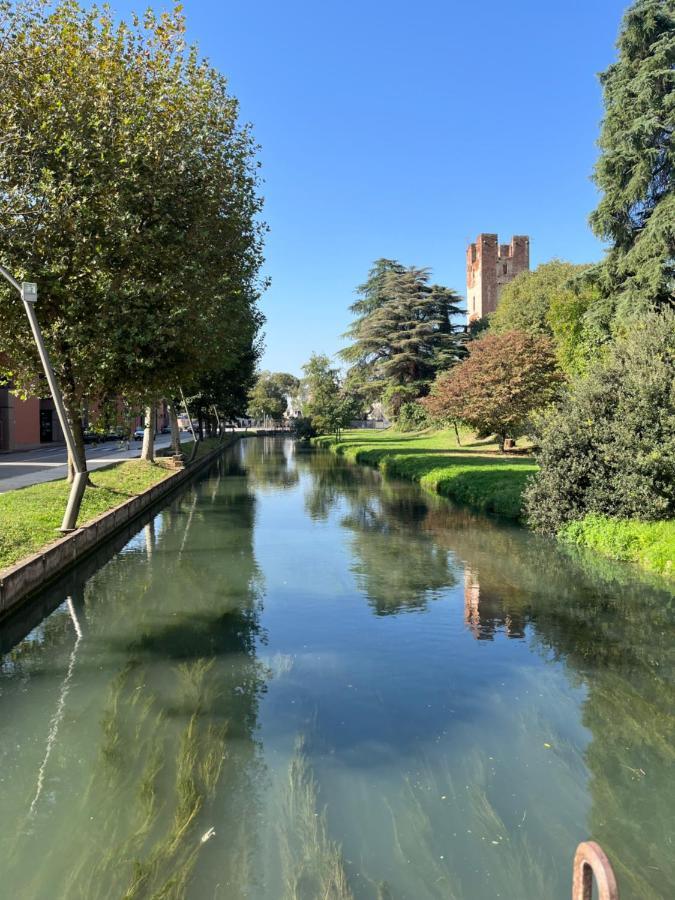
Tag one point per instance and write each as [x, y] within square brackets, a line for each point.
[25, 467]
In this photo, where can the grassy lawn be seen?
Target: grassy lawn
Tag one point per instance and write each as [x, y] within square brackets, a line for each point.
[474, 472]
[30, 517]
[650, 544]
[186, 445]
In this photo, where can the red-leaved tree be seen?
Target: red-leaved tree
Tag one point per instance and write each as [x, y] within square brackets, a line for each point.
[496, 388]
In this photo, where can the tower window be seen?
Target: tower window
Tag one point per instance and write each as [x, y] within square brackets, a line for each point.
[505, 268]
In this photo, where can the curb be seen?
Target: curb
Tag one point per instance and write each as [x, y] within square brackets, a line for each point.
[35, 572]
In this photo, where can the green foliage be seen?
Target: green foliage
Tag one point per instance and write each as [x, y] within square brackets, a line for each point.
[413, 417]
[570, 317]
[468, 474]
[551, 300]
[270, 394]
[403, 333]
[329, 405]
[636, 168]
[227, 389]
[303, 429]
[31, 516]
[609, 447]
[650, 544]
[395, 396]
[525, 302]
[128, 191]
[495, 390]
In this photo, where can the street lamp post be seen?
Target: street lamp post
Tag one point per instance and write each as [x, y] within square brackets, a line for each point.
[192, 428]
[28, 292]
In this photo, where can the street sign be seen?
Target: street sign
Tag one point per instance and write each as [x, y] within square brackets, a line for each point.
[29, 291]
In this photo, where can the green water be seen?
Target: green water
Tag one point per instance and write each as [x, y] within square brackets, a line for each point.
[299, 681]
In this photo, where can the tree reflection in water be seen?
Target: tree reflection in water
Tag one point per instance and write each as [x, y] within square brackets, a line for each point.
[434, 759]
[270, 463]
[397, 565]
[173, 762]
[617, 641]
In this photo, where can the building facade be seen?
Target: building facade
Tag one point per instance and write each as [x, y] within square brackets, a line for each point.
[25, 424]
[489, 266]
[31, 423]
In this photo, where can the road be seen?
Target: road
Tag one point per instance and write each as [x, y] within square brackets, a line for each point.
[49, 463]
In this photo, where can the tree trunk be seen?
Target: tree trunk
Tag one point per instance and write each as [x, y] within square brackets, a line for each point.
[175, 433]
[459, 443]
[148, 451]
[78, 436]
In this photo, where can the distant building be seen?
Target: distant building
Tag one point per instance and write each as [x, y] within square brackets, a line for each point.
[489, 266]
[30, 423]
[27, 423]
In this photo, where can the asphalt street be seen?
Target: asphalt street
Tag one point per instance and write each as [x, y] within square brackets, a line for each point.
[49, 463]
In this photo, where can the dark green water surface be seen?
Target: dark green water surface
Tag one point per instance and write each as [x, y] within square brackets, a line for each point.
[299, 681]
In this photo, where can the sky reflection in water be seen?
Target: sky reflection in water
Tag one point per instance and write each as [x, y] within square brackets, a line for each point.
[299, 681]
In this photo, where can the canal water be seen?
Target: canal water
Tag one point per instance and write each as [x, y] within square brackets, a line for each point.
[300, 681]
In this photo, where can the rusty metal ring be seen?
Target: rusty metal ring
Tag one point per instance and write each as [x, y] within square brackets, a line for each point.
[591, 862]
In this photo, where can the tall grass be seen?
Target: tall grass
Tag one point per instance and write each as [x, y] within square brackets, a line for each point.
[150, 790]
[312, 864]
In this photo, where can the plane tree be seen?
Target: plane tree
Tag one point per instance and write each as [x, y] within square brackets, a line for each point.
[128, 191]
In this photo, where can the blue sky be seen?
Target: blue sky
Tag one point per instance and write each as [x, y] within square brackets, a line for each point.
[405, 129]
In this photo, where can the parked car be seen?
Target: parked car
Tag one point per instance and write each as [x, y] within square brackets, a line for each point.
[140, 431]
[91, 437]
[165, 430]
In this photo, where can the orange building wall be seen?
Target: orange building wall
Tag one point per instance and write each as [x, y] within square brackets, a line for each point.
[26, 415]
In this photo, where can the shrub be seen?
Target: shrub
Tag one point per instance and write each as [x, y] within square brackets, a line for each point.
[413, 417]
[302, 428]
[609, 447]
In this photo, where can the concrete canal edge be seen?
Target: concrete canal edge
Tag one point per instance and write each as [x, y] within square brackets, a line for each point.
[32, 574]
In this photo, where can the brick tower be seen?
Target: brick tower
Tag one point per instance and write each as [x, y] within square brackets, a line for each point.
[489, 266]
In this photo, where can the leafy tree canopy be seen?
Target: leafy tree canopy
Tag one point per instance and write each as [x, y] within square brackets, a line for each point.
[128, 191]
[609, 446]
[636, 168]
[329, 404]
[552, 300]
[270, 394]
[495, 390]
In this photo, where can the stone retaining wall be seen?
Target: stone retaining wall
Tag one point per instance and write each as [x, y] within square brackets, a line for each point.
[32, 574]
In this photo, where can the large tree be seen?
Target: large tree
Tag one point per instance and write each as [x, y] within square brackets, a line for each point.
[636, 168]
[222, 393]
[330, 405]
[554, 300]
[128, 191]
[270, 394]
[503, 380]
[403, 333]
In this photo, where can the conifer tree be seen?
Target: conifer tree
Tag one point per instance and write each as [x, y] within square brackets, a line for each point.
[403, 333]
[636, 168]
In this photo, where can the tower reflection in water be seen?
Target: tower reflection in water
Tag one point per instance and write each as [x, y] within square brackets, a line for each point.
[484, 613]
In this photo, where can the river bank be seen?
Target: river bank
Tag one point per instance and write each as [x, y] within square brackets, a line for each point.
[476, 474]
[30, 516]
